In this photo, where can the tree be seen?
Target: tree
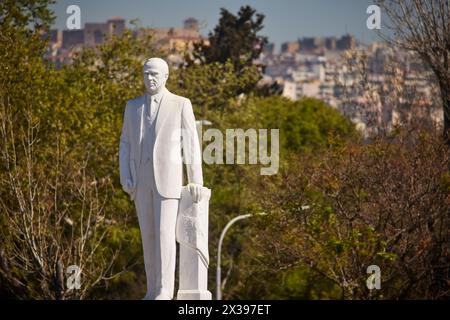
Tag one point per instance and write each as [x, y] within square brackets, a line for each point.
[235, 38]
[26, 15]
[212, 86]
[334, 213]
[423, 26]
[304, 127]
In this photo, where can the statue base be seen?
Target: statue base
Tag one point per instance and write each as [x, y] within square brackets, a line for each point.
[194, 295]
[193, 276]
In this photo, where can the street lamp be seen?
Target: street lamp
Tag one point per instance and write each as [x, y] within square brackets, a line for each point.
[219, 250]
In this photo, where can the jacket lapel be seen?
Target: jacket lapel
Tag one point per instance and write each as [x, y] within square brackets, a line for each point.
[164, 111]
[140, 121]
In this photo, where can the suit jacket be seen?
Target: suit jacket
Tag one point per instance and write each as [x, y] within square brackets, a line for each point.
[176, 141]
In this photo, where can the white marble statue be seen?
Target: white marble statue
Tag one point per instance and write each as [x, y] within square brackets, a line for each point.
[158, 135]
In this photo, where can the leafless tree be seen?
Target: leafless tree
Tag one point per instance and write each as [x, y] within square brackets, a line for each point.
[390, 97]
[423, 26]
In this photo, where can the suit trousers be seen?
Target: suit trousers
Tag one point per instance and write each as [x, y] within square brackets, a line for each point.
[157, 219]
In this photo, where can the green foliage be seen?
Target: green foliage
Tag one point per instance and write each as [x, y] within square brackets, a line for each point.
[212, 87]
[60, 130]
[337, 212]
[235, 38]
[235, 41]
[26, 15]
[305, 125]
[237, 188]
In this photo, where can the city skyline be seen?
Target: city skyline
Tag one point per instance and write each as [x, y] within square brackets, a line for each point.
[284, 21]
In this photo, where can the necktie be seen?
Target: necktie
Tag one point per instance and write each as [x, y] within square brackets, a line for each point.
[149, 108]
[152, 108]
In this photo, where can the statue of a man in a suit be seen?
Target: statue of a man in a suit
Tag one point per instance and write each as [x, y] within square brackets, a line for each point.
[158, 135]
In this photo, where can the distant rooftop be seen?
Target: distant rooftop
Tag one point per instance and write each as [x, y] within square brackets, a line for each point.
[116, 18]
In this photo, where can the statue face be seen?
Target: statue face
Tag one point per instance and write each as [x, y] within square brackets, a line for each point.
[155, 76]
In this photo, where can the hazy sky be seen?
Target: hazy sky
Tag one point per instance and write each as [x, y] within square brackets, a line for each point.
[286, 20]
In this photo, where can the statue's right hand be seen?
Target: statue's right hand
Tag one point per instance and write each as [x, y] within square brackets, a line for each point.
[129, 188]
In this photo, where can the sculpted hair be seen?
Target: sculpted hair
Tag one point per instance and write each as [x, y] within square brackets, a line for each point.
[159, 62]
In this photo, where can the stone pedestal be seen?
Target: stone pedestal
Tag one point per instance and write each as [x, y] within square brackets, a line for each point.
[193, 276]
[192, 235]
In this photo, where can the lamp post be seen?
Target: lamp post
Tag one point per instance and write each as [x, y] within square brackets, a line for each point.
[219, 250]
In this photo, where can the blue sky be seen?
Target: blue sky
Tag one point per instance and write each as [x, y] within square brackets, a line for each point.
[286, 20]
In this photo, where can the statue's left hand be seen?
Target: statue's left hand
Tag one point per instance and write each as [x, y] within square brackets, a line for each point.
[196, 191]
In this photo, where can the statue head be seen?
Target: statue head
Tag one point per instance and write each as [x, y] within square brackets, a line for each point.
[156, 73]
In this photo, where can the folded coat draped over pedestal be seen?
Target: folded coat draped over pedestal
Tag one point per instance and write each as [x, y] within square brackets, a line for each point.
[192, 223]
